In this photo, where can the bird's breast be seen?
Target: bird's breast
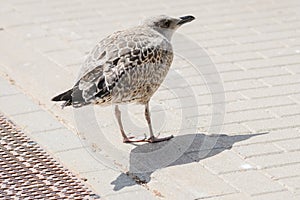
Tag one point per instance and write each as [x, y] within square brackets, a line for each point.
[139, 84]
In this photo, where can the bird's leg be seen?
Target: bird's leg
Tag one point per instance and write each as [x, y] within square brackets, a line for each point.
[118, 116]
[125, 138]
[152, 138]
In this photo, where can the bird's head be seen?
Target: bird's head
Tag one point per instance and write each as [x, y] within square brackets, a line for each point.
[167, 25]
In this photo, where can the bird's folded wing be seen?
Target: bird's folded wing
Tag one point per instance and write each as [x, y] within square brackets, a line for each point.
[111, 58]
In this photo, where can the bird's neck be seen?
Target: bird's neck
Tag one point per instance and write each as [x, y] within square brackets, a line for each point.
[167, 33]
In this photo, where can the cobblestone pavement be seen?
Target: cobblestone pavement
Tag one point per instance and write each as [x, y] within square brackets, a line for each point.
[254, 45]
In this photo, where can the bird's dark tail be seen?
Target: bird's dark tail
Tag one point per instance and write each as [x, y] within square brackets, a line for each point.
[66, 96]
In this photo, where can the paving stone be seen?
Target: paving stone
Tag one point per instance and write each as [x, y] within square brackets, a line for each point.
[292, 183]
[139, 194]
[243, 56]
[281, 52]
[283, 111]
[282, 80]
[252, 182]
[37, 122]
[268, 161]
[284, 171]
[229, 197]
[227, 67]
[13, 19]
[253, 150]
[266, 37]
[247, 47]
[216, 43]
[234, 97]
[23, 58]
[289, 145]
[173, 179]
[6, 88]
[273, 91]
[291, 42]
[274, 124]
[80, 159]
[46, 44]
[6, 8]
[62, 57]
[293, 68]
[276, 196]
[28, 31]
[243, 85]
[17, 104]
[248, 115]
[296, 97]
[253, 74]
[226, 161]
[262, 103]
[58, 140]
[212, 35]
[272, 136]
[270, 64]
[230, 129]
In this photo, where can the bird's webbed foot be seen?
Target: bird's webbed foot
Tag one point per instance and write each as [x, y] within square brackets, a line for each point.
[132, 139]
[154, 139]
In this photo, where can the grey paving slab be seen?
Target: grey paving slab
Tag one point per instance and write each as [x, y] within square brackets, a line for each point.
[18, 104]
[169, 181]
[252, 182]
[295, 97]
[283, 111]
[226, 162]
[231, 196]
[63, 57]
[247, 47]
[293, 68]
[247, 151]
[277, 196]
[277, 135]
[273, 160]
[6, 89]
[292, 183]
[79, 159]
[274, 91]
[275, 124]
[284, 171]
[248, 115]
[140, 194]
[37, 122]
[46, 44]
[291, 145]
[267, 65]
[243, 85]
[263, 103]
[58, 140]
[260, 72]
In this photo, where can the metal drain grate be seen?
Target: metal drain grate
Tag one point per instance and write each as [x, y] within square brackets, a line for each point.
[28, 172]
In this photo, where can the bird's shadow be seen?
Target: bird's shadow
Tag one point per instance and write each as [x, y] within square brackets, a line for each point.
[146, 158]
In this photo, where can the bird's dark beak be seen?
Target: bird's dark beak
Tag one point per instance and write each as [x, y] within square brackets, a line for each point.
[185, 19]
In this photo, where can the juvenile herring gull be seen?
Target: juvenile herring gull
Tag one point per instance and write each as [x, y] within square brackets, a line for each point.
[127, 67]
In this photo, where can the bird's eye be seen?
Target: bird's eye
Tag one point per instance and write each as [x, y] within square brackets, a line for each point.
[167, 23]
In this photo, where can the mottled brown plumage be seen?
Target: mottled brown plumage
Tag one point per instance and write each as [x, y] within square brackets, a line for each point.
[127, 67]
